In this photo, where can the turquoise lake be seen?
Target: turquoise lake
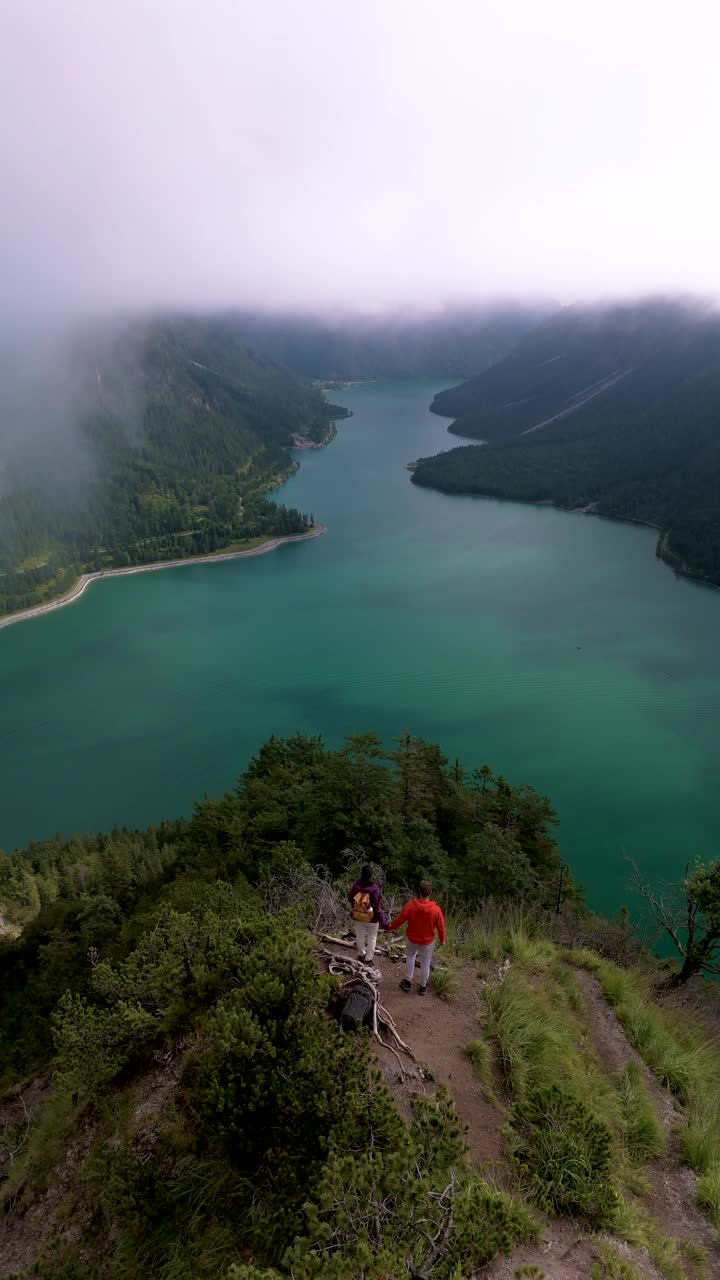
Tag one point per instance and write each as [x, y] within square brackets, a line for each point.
[553, 646]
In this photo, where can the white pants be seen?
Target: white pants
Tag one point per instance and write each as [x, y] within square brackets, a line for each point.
[424, 951]
[366, 939]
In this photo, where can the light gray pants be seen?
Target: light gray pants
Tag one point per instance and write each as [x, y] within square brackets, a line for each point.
[366, 939]
[424, 951]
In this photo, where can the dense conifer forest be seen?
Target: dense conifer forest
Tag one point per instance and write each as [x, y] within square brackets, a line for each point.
[614, 410]
[177, 431]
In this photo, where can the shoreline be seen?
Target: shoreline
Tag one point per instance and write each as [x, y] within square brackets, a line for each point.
[663, 551]
[85, 579]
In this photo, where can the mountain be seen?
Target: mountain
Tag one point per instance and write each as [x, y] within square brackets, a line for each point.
[178, 1100]
[615, 410]
[451, 343]
[169, 432]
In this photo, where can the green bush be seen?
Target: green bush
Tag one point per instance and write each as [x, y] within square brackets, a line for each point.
[486, 1221]
[281, 1087]
[437, 1133]
[564, 1155]
[127, 1189]
[93, 1044]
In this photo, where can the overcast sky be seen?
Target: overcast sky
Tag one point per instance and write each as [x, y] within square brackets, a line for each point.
[356, 152]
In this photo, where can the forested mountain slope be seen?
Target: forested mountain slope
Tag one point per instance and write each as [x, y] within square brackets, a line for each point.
[174, 428]
[616, 410]
[177, 1101]
[456, 342]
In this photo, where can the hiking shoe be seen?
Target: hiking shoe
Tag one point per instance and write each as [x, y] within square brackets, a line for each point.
[405, 985]
[422, 991]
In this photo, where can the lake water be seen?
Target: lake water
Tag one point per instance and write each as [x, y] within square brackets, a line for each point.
[553, 646]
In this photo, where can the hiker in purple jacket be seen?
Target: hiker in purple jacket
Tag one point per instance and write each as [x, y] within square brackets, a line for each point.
[367, 913]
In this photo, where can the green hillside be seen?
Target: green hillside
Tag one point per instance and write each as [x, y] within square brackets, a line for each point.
[177, 430]
[176, 1099]
[614, 410]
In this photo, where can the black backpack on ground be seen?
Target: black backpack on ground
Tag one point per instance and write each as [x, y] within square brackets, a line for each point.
[354, 1007]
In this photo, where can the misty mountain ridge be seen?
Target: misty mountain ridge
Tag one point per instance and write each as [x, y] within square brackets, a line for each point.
[568, 356]
[405, 343]
[614, 410]
[165, 434]
[152, 437]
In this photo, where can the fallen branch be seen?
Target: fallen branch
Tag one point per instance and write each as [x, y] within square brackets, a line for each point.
[349, 943]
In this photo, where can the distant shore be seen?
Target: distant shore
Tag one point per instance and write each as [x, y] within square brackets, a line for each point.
[83, 582]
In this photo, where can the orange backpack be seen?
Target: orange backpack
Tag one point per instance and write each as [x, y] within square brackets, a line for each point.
[361, 908]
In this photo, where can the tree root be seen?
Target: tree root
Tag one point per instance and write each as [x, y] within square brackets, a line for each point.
[359, 973]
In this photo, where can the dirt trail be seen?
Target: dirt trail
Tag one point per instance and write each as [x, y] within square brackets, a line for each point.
[614, 1049]
[437, 1030]
[674, 1186]
[563, 1254]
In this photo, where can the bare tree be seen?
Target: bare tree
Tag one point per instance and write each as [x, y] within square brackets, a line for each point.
[689, 913]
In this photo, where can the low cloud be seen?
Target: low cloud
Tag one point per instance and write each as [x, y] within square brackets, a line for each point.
[335, 157]
[162, 152]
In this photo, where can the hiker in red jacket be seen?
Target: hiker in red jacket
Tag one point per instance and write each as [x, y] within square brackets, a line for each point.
[423, 918]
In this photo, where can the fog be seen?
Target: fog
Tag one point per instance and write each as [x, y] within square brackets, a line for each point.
[330, 154]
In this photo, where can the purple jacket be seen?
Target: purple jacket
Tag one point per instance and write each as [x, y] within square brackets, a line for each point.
[374, 892]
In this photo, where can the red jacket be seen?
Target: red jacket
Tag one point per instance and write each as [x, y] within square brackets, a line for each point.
[423, 918]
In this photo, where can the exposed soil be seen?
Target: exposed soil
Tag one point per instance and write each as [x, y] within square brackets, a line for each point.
[21, 1103]
[437, 1031]
[26, 1231]
[59, 1214]
[563, 1254]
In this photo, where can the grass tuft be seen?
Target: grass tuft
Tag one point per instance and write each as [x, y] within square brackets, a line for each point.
[480, 1053]
[445, 983]
[613, 1266]
[708, 1194]
[700, 1134]
[674, 1259]
[534, 953]
[643, 1133]
[529, 1043]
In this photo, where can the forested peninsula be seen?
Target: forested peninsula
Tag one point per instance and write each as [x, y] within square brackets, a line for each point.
[171, 432]
[614, 411]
